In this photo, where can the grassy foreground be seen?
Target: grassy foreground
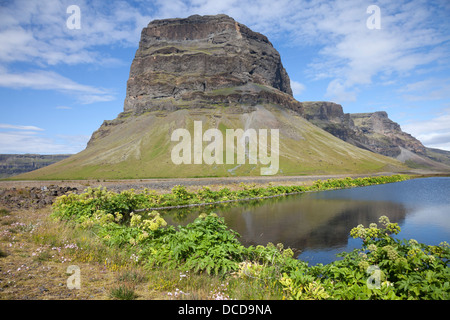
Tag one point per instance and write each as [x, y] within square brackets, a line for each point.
[137, 256]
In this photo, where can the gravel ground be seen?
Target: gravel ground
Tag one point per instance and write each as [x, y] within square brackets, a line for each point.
[167, 184]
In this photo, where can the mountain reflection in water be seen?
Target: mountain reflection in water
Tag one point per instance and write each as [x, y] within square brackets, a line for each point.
[299, 222]
[308, 223]
[317, 225]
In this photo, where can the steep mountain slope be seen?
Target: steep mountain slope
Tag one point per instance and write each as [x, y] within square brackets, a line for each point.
[438, 155]
[216, 72]
[140, 147]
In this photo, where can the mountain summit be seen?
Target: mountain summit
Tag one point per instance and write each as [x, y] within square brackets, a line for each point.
[204, 60]
[192, 82]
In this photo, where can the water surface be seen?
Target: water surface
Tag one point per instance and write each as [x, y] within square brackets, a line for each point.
[317, 225]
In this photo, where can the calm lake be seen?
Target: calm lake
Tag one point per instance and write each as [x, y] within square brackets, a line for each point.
[317, 225]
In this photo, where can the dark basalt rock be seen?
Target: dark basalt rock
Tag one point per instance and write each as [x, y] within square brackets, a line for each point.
[34, 197]
[372, 131]
[201, 60]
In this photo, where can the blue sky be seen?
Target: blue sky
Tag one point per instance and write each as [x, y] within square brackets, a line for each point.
[58, 84]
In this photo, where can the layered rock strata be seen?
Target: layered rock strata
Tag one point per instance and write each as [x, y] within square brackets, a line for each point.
[201, 61]
[372, 131]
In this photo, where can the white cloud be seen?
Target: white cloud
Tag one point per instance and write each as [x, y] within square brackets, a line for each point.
[92, 98]
[19, 127]
[11, 143]
[427, 89]
[42, 80]
[37, 31]
[338, 91]
[49, 80]
[297, 87]
[352, 55]
[433, 133]
[15, 44]
[35, 34]
[29, 140]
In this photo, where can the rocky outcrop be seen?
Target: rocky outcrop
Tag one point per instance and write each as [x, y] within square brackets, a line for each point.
[385, 136]
[34, 197]
[203, 60]
[372, 131]
[330, 117]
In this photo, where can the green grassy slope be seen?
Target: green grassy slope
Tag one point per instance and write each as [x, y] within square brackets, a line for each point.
[140, 147]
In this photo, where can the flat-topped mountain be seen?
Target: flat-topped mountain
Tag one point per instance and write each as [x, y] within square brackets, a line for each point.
[212, 73]
[204, 60]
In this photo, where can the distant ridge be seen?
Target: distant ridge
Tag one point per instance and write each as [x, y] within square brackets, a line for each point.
[374, 131]
[15, 164]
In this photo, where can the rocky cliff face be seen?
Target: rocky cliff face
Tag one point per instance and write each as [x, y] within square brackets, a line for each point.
[385, 136]
[372, 131]
[204, 60]
[330, 117]
[375, 132]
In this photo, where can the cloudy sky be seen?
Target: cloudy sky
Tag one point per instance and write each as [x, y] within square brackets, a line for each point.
[59, 79]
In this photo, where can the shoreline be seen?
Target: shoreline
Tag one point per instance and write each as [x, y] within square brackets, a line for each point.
[167, 184]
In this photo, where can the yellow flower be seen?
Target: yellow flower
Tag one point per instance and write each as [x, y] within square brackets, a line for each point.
[143, 236]
[135, 220]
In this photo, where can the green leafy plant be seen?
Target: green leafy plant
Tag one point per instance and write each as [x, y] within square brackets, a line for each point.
[207, 245]
[383, 268]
